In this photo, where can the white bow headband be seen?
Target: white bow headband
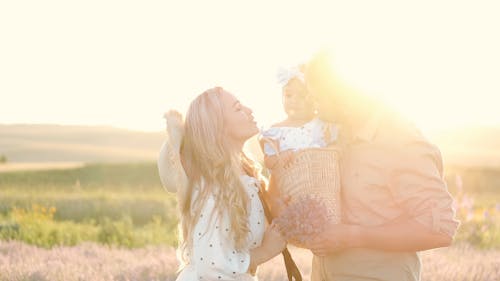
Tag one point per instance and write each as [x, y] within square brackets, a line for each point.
[284, 75]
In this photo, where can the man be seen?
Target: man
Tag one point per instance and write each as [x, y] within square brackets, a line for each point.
[394, 198]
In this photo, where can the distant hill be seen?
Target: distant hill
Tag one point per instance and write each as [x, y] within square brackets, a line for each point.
[54, 143]
[473, 146]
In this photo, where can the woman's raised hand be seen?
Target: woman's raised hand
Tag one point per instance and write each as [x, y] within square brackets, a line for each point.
[175, 128]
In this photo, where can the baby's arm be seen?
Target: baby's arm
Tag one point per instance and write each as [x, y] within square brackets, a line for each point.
[273, 161]
[270, 161]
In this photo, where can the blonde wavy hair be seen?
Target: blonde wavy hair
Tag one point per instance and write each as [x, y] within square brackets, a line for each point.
[213, 167]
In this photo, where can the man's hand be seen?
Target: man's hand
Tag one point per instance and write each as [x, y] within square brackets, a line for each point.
[335, 238]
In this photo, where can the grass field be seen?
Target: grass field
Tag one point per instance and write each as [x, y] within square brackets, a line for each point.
[119, 204]
[117, 216]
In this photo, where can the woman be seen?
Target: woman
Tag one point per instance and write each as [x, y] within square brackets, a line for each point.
[223, 235]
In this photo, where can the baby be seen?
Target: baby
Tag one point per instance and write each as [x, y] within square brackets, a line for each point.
[301, 129]
[312, 199]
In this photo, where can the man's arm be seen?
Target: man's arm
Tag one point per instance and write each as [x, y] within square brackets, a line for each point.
[417, 185]
[404, 236]
[409, 235]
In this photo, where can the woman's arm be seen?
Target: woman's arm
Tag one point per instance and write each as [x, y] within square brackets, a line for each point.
[172, 175]
[272, 245]
[214, 255]
[170, 169]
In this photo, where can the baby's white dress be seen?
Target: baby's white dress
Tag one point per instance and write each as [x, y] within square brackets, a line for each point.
[213, 257]
[313, 134]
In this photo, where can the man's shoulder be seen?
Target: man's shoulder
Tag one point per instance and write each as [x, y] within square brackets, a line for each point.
[395, 128]
[403, 138]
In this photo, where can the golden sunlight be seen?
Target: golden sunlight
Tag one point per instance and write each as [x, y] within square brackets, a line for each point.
[434, 61]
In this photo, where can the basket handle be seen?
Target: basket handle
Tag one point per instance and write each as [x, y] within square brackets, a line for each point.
[292, 271]
[272, 143]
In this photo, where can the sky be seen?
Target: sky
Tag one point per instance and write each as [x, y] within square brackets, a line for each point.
[124, 63]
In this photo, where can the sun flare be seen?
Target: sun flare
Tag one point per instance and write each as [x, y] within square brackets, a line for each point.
[133, 61]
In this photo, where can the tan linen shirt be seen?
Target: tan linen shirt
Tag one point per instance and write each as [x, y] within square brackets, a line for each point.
[388, 171]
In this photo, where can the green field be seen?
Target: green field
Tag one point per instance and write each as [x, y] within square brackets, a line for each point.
[125, 205]
[118, 204]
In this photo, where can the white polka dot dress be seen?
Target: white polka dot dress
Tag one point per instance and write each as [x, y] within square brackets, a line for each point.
[212, 256]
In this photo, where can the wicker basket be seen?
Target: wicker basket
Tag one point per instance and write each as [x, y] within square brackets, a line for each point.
[312, 172]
